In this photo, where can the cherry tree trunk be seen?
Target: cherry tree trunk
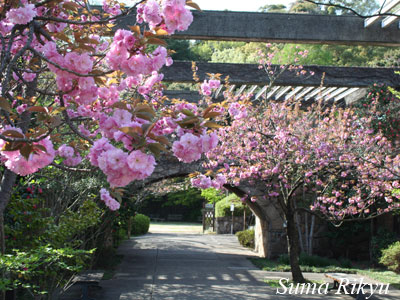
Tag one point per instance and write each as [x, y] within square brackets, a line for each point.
[6, 185]
[293, 247]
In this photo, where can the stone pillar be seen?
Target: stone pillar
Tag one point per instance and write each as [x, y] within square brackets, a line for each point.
[261, 237]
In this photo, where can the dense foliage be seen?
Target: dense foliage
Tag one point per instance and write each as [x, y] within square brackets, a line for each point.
[212, 195]
[391, 257]
[223, 207]
[382, 240]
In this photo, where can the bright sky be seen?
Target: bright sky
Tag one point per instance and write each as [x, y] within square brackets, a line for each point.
[238, 5]
[241, 5]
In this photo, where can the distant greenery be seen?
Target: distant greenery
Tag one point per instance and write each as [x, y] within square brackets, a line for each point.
[362, 7]
[188, 203]
[223, 207]
[212, 195]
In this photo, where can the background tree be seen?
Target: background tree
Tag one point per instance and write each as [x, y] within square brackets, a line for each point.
[65, 85]
[273, 8]
[301, 6]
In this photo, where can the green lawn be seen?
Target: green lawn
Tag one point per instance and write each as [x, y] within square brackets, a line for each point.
[380, 275]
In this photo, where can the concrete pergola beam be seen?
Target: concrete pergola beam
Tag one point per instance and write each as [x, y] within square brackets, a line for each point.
[285, 28]
[250, 74]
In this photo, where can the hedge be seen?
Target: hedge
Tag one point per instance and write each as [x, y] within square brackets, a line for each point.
[246, 238]
[140, 224]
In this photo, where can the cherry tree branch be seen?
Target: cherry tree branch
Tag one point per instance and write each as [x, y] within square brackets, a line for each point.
[26, 140]
[65, 168]
[330, 3]
[71, 125]
[101, 21]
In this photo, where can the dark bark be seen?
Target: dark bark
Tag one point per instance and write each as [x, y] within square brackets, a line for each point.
[9, 177]
[6, 185]
[293, 247]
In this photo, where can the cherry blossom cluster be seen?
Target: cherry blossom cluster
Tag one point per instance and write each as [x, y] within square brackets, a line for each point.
[120, 57]
[109, 201]
[208, 86]
[21, 165]
[170, 15]
[332, 155]
[94, 95]
[205, 182]
[22, 15]
[237, 111]
[72, 157]
[190, 147]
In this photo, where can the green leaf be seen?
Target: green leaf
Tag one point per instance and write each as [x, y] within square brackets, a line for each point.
[187, 112]
[210, 124]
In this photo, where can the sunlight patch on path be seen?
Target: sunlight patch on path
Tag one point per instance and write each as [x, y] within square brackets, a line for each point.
[184, 228]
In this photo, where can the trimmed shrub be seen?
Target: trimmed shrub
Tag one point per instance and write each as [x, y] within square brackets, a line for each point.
[391, 257]
[140, 224]
[223, 207]
[246, 238]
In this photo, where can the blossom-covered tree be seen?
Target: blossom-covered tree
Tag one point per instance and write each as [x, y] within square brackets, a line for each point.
[75, 88]
[275, 152]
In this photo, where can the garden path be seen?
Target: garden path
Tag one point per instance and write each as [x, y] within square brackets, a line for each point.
[168, 264]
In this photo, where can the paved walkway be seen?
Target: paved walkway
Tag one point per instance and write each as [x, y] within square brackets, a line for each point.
[164, 265]
[181, 266]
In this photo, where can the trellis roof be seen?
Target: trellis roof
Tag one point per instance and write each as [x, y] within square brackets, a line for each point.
[340, 83]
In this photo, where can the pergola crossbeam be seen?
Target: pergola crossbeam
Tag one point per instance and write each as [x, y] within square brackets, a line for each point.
[315, 92]
[304, 92]
[252, 89]
[283, 28]
[282, 91]
[273, 91]
[385, 9]
[250, 74]
[240, 90]
[294, 92]
[262, 90]
[335, 93]
[325, 93]
[346, 93]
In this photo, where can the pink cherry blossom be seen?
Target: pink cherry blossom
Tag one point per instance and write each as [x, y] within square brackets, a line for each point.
[188, 148]
[141, 163]
[22, 15]
[109, 201]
